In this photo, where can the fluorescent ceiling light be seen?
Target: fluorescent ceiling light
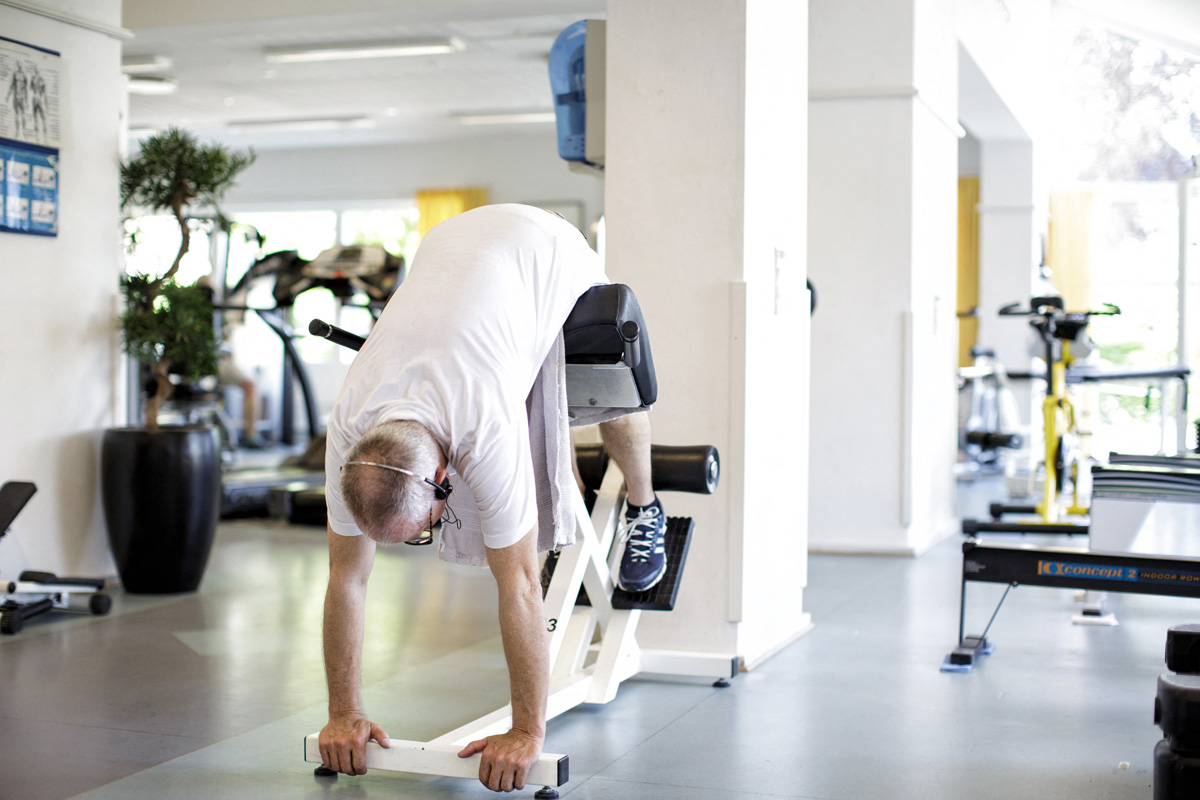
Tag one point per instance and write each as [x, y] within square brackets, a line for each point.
[348, 50]
[309, 124]
[148, 84]
[140, 65]
[503, 117]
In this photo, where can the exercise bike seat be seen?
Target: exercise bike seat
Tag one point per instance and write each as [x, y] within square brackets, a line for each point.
[609, 364]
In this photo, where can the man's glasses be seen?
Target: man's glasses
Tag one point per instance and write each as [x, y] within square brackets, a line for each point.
[441, 491]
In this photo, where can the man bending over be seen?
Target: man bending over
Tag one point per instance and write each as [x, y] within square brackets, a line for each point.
[433, 414]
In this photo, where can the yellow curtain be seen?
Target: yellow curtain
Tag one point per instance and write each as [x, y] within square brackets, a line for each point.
[438, 205]
[1069, 250]
[968, 267]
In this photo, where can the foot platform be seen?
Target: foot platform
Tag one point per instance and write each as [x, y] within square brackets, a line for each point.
[967, 654]
[661, 596]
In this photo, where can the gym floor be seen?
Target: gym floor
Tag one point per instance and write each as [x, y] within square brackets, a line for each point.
[210, 695]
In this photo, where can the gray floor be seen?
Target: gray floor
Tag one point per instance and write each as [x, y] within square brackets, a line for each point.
[210, 695]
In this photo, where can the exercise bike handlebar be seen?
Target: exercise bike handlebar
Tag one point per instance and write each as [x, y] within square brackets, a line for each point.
[1047, 306]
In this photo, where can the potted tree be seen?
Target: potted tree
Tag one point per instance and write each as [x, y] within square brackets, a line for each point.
[161, 484]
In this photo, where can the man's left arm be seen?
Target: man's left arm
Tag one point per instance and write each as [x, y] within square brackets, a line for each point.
[507, 758]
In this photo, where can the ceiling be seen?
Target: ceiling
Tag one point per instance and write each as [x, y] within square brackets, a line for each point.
[217, 59]
[216, 53]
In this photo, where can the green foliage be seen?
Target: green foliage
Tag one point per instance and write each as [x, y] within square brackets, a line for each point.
[165, 325]
[174, 326]
[173, 170]
[1120, 352]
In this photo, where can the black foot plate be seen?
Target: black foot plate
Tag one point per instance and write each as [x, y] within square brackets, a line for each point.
[661, 596]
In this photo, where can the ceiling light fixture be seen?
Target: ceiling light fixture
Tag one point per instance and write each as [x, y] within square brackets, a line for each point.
[140, 65]
[307, 124]
[148, 84]
[342, 51]
[503, 117]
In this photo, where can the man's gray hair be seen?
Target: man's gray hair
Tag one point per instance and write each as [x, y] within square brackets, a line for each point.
[383, 497]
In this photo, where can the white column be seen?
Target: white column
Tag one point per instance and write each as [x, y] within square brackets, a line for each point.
[1009, 246]
[882, 153]
[705, 204]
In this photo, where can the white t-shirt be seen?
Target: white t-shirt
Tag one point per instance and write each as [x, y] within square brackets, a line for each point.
[457, 349]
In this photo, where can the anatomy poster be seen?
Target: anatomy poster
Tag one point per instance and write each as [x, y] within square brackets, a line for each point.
[29, 81]
[30, 128]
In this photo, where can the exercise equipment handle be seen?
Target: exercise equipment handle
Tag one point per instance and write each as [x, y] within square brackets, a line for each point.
[1110, 310]
[335, 334]
[1014, 310]
[633, 348]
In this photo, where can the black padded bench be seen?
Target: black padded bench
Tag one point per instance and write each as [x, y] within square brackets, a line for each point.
[609, 364]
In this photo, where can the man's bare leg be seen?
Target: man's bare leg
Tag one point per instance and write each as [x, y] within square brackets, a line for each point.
[644, 560]
[627, 441]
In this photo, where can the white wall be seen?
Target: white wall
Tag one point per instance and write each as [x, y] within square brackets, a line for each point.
[58, 342]
[706, 180]
[515, 168]
[1005, 66]
[884, 108]
[774, 546]
[1010, 42]
[882, 178]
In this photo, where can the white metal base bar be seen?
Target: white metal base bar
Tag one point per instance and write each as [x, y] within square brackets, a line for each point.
[428, 758]
[59, 593]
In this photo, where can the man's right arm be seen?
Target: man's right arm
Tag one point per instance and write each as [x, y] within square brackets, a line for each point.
[344, 739]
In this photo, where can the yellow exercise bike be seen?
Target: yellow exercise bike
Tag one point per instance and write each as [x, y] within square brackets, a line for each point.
[1059, 331]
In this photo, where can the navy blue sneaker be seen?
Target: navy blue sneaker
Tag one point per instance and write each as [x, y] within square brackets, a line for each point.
[645, 559]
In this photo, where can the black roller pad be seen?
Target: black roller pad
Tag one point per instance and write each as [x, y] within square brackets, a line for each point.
[687, 468]
[661, 596]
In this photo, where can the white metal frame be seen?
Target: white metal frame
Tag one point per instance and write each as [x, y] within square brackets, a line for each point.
[582, 668]
[58, 593]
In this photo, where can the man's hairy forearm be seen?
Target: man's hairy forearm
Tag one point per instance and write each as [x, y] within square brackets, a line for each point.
[522, 627]
[343, 640]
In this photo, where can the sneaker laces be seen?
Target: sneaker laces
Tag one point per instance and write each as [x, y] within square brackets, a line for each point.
[638, 534]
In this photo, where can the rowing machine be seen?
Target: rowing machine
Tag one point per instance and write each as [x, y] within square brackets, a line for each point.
[1063, 568]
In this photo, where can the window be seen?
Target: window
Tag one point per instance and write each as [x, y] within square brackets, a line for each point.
[1127, 124]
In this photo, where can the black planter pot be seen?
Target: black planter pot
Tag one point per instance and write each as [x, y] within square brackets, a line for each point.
[162, 500]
